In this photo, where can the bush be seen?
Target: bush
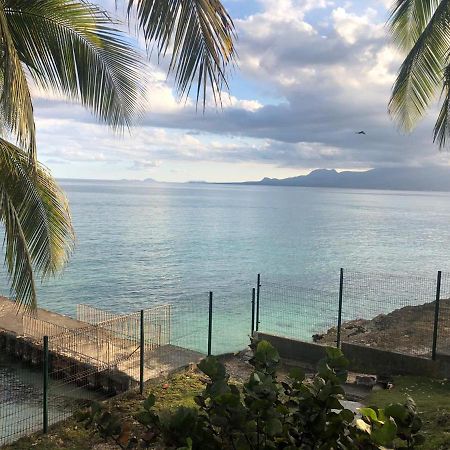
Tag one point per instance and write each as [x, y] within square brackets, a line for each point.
[263, 414]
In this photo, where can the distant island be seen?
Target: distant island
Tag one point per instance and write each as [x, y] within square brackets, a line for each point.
[405, 178]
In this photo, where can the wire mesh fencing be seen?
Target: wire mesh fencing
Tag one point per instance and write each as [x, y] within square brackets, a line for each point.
[296, 311]
[20, 389]
[403, 314]
[443, 328]
[232, 318]
[100, 353]
[389, 312]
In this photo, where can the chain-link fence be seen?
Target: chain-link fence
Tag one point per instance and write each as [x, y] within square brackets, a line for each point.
[295, 311]
[53, 369]
[404, 314]
[100, 353]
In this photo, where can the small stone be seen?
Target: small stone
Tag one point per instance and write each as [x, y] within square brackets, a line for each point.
[317, 337]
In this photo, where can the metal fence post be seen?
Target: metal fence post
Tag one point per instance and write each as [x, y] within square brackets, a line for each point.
[258, 290]
[141, 360]
[253, 310]
[45, 387]
[210, 322]
[436, 316]
[339, 324]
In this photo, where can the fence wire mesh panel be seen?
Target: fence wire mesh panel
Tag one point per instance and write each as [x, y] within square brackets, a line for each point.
[20, 391]
[232, 318]
[35, 328]
[189, 329]
[92, 315]
[390, 312]
[295, 311]
[443, 331]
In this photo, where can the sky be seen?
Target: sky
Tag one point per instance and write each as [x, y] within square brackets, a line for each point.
[310, 74]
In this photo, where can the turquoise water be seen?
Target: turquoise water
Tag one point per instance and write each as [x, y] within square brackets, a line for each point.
[137, 245]
[142, 245]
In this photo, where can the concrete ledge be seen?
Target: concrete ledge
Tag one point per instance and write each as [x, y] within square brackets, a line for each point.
[367, 359]
[297, 350]
[363, 359]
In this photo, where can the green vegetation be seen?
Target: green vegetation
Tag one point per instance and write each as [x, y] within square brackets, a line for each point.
[184, 392]
[263, 413]
[421, 30]
[433, 403]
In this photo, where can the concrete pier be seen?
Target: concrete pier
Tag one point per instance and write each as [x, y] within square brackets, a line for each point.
[104, 355]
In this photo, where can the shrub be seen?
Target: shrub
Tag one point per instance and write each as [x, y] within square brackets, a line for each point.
[264, 413]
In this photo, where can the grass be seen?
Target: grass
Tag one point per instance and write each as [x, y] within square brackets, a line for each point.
[432, 398]
[179, 390]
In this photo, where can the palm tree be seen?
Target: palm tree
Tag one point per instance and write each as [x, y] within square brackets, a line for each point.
[73, 48]
[421, 29]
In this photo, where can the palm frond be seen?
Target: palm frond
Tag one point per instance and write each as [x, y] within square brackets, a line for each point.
[409, 19]
[442, 127]
[16, 108]
[38, 231]
[72, 47]
[421, 73]
[200, 36]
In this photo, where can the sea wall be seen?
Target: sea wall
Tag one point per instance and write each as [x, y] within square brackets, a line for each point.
[362, 358]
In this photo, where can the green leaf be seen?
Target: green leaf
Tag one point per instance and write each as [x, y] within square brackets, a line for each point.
[397, 411]
[266, 353]
[211, 367]
[385, 434]
[369, 413]
[274, 427]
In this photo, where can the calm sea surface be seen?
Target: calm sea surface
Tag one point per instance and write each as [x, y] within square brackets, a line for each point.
[138, 245]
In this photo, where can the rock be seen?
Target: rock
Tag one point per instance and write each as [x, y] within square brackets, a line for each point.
[366, 380]
[317, 337]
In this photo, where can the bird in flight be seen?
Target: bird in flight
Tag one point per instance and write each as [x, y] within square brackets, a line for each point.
[360, 132]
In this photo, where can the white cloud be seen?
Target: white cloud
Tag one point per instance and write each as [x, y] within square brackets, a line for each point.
[313, 72]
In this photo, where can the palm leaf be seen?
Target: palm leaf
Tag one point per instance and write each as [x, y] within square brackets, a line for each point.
[421, 74]
[72, 48]
[409, 19]
[200, 36]
[442, 127]
[38, 231]
[16, 108]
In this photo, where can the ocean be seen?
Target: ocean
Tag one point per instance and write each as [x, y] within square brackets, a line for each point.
[143, 244]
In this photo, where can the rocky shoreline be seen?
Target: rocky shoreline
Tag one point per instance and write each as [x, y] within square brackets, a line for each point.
[406, 330]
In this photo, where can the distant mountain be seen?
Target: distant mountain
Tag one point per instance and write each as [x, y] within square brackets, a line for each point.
[404, 178]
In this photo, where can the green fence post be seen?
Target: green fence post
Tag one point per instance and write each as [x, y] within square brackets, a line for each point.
[142, 349]
[45, 387]
[339, 324]
[258, 291]
[436, 316]
[253, 310]
[210, 323]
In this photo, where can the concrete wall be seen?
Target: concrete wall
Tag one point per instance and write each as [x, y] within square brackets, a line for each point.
[363, 359]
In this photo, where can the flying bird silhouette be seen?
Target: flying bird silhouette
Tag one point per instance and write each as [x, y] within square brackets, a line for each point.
[360, 132]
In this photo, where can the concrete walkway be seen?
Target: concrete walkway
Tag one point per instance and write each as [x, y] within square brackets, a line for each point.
[11, 318]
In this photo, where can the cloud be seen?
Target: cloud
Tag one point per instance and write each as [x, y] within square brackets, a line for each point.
[310, 74]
